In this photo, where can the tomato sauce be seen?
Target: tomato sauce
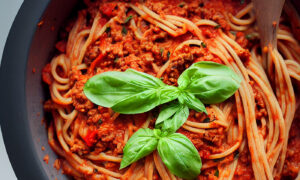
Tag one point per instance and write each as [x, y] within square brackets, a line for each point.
[116, 50]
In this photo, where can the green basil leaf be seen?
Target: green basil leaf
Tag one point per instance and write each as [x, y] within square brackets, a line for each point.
[108, 88]
[191, 101]
[168, 93]
[167, 111]
[180, 156]
[211, 90]
[146, 100]
[209, 81]
[172, 124]
[141, 143]
[144, 78]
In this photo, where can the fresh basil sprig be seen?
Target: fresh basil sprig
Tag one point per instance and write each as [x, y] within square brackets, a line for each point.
[176, 151]
[129, 92]
[141, 143]
[210, 82]
[172, 117]
[180, 156]
[133, 92]
[191, 101]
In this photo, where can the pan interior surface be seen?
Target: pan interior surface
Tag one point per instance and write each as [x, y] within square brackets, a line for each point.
[28, 49]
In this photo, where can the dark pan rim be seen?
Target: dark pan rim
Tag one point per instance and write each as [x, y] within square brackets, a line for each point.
[13, 115]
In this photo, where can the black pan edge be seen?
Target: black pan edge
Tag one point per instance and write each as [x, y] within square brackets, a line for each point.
[13, 115]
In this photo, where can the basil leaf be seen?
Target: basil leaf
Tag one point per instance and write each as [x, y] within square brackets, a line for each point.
[180, 156]
[172, 124]
[167, 112]
[211, 90]
[191, 101]
[141, 143]
[143, 78]
[209, 81]
[146, 100]
[108, 88]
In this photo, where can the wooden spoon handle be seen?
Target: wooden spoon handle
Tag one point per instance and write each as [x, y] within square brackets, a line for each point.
[267, 16]
[293, 16]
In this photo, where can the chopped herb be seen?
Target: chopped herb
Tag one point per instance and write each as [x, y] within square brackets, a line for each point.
[99, 121]
[219, 159]
[161, 51]
[249, 36]
[168, 55]
[181, 4]
[107, 30]
[203, 44]
[217, 173]
[217, 26]
[128, 19]
[242, 1]
[233, 32]
[116, 59]
[124, 30]
[194, 45]
[236, 154]
[206, 120]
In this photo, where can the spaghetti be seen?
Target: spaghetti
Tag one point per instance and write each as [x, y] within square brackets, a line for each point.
[248, 136]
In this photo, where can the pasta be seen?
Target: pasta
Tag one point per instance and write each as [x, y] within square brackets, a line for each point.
[244, 137]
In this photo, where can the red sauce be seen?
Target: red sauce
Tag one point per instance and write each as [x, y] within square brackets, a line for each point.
[46, 74]
[61, 46]
[116, 51]
[90, 138]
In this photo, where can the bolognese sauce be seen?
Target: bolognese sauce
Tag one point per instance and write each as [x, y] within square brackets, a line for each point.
[242, 138]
